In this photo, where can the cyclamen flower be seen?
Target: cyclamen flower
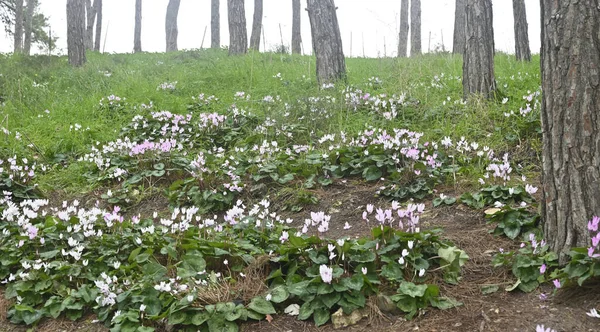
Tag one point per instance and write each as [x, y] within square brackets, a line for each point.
[530, 189]
[543, 269]
[593, 224]
[541, 328]
[326, 273]
[364, 270]
[32, 232]
[284, 236]
[347, 226]
[593, 313]
[556, 283]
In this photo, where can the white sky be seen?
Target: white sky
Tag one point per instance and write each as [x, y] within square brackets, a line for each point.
[376, 20]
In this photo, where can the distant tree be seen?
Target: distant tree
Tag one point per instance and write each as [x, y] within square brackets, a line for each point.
[39, 35]
[171, 25]
[215, 24]
[521, 34]
[256, 25]
[90, 11]
[296, 34]
[137, 34]
[76, 32]
[478, 60]
[18, 40]
[98, 25]
[326, 40]
[415, 27]
[31, 5]
[403, 36]
[460, 16]
[238, 35]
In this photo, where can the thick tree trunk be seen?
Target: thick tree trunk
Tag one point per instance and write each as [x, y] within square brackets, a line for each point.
[98, 25]
[403, 36]
[327, 41]
[296, 34]
[478, 60]
[256, 25]
[171, 25]
[415, 27]
[521, 34]
[460, 17]
[215, 24]
[238, 35]
[137, 33]
[91, 18]
[18, 36]
[31, 5]
[76, 32]
[570, 62]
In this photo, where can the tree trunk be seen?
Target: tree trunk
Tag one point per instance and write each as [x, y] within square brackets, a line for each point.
[18, 36]
[137, 34]
[98, 25]
[478, 60]
[238, 35]
[521, 34]
[31, 5]
[76, 32]
[415, 27]
[296, 34]
[256, 25]
[570, 60]
[91, 18]
[403, 36]
[171, 25]
[460, 16]
[327, 41]
[215, 24]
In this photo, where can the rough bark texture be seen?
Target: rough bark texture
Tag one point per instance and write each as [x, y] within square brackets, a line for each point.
[570, 61]
[256, 25]
[478, 60]
[403, 36]
[327, 41]
[296, 34]
[415, 27]
[76, 32]
[460, 20]
[31, 5]
[98, 25]
[91, 18]
[215, 24]
[521, 35]
[18, 36]
[171, 25]
[238, 35]
[137, 33]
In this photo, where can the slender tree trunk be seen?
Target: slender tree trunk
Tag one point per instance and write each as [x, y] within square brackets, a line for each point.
[327, 41]
[31, 5]
[215, 24]
[91, 18]
[296, 34]
[137, 33]
[521, 34]
[403, 36]
[238, 35]
[171, 25]
[256, 25]
[98, 25]
[570, 60]
[18, 37]
[478, 60]
[460, 17]
[415, 27]
[76, 32]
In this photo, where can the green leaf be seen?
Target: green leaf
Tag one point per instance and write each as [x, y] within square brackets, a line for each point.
[143, 257]
[262, 306]
[177, 317]
[528, 287]
[299, 288]
[372, 173]
[444, 303]
[134, 254]
[512, 230]
[356, 282]
[279, 294]
[330, 299]
[365, 256]
[306, 311]
[321, 316]
[154, 270]
[412, 290]
[489, 289]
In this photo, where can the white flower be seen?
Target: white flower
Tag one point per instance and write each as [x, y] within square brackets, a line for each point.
[326, 273]
[404, 252]
[268, 297]
[530, 189]
[190, 298]
[411, 244]
[593, 313]
[116, 265]
[364, 270]
[421, 272]
[142, 307]
[226, 262]
[401, 260]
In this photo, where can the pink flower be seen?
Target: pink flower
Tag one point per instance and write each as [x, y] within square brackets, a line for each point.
[32, 232]
[543, 269]
[593, 224]
[556, 283]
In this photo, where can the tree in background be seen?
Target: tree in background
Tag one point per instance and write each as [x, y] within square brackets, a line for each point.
[76, 32]
[522, 51]
[137, 34]
[415, 27]
[256, 25]
[171, 25]
[98, 5]
[327, 41]
[31, 6]
[90, 11]
[39, 21]
[18, 40]
[215, 24]
[296, 34]
[403, 36]
[478, 60]
[238, 35]
[460, 17]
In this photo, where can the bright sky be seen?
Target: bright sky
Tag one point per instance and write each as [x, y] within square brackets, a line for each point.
[373, 22]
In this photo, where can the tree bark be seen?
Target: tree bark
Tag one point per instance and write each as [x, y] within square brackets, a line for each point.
[460, 17]
[215, 24]
[415, 27]
[238, 35]
[98, 25]
[570, 62]
[31, 5]
[478, 60]
[296, 34]
[76, 32]
[171, 25]
[327, 41]
[256, 25]
[403, 36]
[91, 18]
[18, 33]
[137, 33]
[522, 51]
